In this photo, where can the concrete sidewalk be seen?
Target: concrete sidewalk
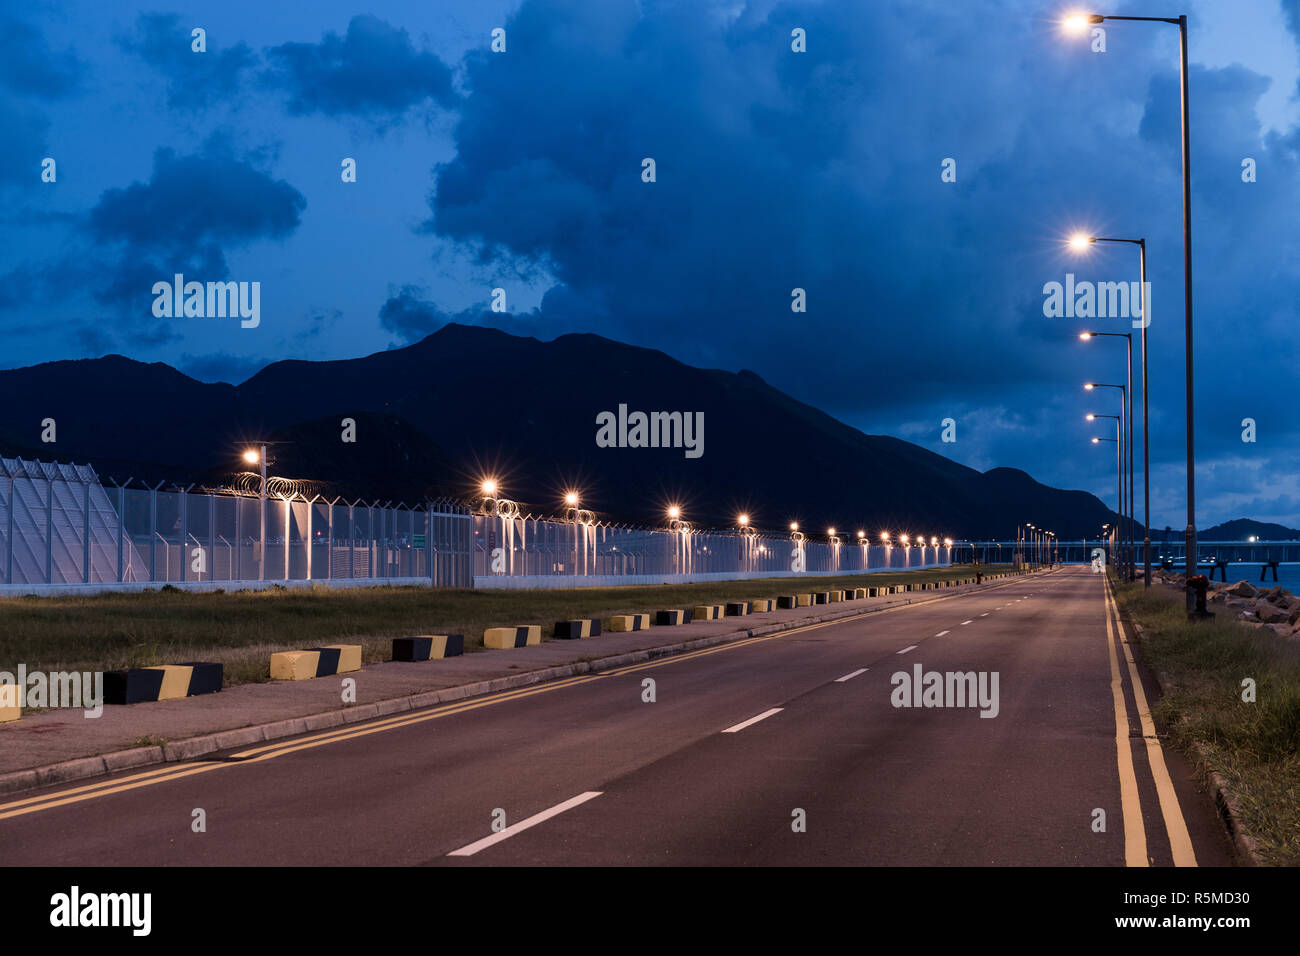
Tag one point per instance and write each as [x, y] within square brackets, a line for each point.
[57, 746]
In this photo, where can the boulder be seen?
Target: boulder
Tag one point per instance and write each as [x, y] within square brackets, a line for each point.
[1270, 613]
[1243, 588]
[1276, 595]
[1281, 630]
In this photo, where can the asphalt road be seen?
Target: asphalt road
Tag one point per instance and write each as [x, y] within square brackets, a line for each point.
[741, 744]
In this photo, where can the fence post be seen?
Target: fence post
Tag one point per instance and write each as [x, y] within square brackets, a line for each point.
[85, 541]
[288, 517]
[153, 532]
[311, 509]
[49, 531]
[238, 569]
[182, 502]
[9, 536]
[212, 537]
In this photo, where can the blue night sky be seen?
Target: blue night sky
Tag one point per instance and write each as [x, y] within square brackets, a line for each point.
[775, 170]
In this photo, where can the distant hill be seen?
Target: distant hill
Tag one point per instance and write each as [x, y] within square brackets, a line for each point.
[1239, 529]
[435, 416]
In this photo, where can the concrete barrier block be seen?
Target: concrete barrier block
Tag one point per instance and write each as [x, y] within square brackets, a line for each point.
[834, 597]
[761, 606]
[501, 638]
[857, 594]
[9, 709]
[672, 618]
[786, 601]
[821, 597]
[737, 608]
[167, 682]
[709, 612]
[803, 600]
[316, 662]
[577, 629]
[629, 622]
[428, 647]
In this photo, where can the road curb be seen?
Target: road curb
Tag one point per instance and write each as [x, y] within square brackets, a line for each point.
[84, 768]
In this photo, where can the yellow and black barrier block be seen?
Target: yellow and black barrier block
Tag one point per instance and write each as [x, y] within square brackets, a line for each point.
[834, 597]
[673, 618]
[761, 606]
[168, 682]
[577, 628]
[316, 662]
[629, 622]
[428, 647]
[9, 707]
[786, 601]
[737, 608]
[708, 612]
[821, 597]
[855, 594]
[501, 638]
[803, 600]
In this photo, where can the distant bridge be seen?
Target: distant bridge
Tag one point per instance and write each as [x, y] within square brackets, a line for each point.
[1080, 551]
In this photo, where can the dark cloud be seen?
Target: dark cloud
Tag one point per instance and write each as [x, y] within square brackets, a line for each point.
[29, 67]
[192, 208]
[373, 71]
[411, 318]
[207, 197]
[194, 80]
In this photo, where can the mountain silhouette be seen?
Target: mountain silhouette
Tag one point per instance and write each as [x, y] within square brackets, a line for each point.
[435, 417]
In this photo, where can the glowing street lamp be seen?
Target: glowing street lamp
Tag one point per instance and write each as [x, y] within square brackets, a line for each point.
[1077, 23]
[742, 520]
[489, 486]
[571, 499]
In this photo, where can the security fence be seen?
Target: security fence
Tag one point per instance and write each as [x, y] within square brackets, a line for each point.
[59, 525]
[539, 548]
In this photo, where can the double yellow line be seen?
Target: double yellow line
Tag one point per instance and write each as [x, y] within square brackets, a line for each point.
[17, 808]
[1135, 841]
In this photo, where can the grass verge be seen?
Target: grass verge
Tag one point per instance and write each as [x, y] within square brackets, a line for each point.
[242, 629]
[1252, 745]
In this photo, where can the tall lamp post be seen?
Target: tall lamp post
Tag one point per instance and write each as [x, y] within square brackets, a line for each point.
[1124, 427]
[1128, 336]
[1078, 23]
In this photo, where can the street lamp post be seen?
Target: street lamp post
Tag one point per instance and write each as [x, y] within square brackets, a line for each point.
[1181, 23]
[1124, 427]
[1128, 337]
[259, 457]
[1119, 471]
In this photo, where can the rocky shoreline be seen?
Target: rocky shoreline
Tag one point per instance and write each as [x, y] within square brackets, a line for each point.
[1275, 608]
